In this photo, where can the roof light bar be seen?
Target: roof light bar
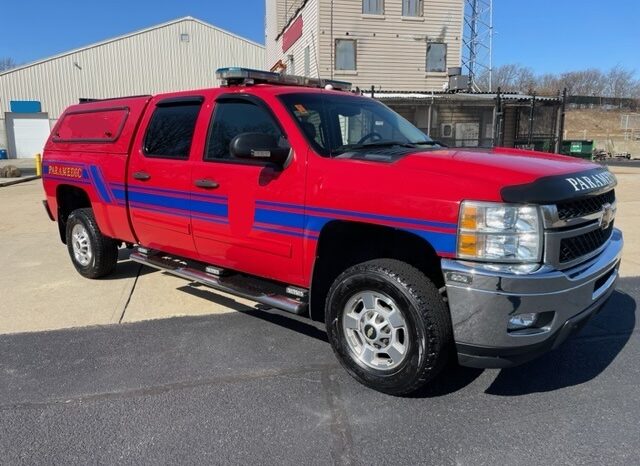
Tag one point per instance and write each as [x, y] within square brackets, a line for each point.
[246, 76]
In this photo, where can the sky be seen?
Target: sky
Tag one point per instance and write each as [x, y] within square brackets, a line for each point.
[550, 36]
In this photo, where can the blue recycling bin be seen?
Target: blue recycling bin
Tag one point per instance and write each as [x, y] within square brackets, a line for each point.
[3, 154]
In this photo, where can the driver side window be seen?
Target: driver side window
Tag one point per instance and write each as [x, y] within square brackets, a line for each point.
[235, 116]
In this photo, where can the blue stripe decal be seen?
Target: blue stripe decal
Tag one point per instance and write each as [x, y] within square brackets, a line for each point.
[352, 213]
[184, 204]
[155, 200]
[119, 194]
[205, 207]
[164, 211]
[159, 210]
[170, 191]
[210, 219]
[316, 223]
[441, 242]
[282, 232]
[273, 217]
[268, 216]
[101, 187]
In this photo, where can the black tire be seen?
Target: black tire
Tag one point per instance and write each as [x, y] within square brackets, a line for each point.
[104, 250]
[425, 313]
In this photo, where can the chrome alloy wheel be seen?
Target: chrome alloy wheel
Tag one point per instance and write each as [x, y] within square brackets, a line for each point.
[81, 245]
[375, 330]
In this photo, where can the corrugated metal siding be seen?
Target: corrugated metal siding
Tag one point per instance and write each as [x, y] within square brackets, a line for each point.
[388, 56]
[151, 62]
[309, 39]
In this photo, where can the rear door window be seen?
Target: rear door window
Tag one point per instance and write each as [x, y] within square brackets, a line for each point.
[171, 128]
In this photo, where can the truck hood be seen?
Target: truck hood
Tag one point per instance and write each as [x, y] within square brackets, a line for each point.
[518, 175]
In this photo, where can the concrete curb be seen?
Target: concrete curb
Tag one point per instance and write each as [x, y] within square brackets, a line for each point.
[18, 181]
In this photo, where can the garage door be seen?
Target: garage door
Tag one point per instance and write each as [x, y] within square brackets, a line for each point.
[30, 136]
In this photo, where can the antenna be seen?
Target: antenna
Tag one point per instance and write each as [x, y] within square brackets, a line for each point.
[477, 42]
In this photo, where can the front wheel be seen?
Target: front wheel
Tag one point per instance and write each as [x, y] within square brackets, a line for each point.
[93, 254]
[388, 325]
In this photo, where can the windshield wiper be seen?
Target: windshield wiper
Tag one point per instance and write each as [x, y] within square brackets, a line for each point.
[346, 147]
[431, 142]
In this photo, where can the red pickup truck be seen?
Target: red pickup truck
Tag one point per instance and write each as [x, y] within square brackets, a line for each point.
[305, 197]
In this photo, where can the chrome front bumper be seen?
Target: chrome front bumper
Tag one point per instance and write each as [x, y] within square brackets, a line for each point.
[481, 308]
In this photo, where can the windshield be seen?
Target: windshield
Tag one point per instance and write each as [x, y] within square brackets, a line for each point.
[335, 124]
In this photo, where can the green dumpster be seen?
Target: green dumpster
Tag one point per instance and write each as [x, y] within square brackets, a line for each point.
[582, 148]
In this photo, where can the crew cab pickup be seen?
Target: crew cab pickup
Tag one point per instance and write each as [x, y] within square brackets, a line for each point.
[308, 198]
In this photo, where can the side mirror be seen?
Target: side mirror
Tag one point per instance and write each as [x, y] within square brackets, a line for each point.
[259, 146]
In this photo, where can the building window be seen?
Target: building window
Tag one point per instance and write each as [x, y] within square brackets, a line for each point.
[436, 57]
[171, 129]
[373, 7]
[307, 61]
[345, 54]
[411, 7]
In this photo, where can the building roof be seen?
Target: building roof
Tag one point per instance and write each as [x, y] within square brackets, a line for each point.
[126, 36]
[459, 96]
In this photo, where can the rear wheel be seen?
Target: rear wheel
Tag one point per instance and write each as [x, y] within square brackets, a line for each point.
[388, 325]
[93, 254]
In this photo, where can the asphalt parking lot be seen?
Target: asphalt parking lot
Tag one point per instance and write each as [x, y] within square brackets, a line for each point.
[87, 377]
[258, 388]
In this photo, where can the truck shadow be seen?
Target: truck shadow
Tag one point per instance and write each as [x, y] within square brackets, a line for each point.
[126, 268]
[453, 378]
[271, 316]
[580, 359]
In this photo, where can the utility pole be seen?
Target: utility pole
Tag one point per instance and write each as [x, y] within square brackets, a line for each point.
[477, 42]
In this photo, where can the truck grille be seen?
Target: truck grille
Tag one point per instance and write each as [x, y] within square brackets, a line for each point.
[581, 207]
[577, 246]
[573, 229]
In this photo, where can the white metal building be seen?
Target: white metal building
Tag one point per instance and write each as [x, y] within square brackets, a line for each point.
[178, 55]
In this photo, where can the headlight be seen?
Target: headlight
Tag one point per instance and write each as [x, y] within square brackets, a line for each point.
[491, 231]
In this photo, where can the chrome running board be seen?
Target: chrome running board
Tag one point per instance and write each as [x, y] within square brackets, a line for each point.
[255, 289]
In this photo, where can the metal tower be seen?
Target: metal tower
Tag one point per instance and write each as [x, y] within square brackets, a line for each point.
[477, 43]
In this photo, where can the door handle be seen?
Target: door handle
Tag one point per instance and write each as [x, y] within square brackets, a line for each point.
[142, 176]
[206, 184]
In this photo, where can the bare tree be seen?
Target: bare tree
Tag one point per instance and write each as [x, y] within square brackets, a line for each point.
[586, 82]
[512, 77]
[525, 79]
[548, 84]
[617, 82]
[635, 91]
[620, 82]
[6, 63]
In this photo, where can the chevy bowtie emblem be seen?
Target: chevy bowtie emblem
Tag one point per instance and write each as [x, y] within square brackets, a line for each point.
[607, 216]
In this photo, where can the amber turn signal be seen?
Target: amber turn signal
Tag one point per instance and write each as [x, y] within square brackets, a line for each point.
[468, 244]
[469, 218]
